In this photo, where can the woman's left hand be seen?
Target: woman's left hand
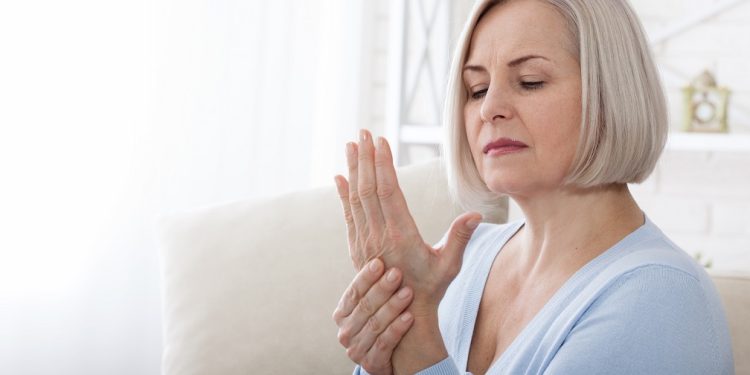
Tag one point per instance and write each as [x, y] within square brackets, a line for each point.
[371, 317]
[379, 225]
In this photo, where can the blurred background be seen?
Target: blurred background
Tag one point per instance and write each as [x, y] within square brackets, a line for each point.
[115, 112]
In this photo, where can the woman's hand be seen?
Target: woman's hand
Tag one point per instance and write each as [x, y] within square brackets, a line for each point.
[370, 319]
[379, 225]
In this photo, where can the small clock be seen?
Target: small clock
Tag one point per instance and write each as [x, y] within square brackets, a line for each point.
[706, 105]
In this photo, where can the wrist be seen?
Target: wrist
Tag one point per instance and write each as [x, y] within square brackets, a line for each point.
[421, 347]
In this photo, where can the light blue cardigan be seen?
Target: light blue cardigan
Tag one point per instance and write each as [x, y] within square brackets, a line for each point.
[643, 306]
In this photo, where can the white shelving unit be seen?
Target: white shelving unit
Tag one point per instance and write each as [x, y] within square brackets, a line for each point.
[417, 70]
[708, 142]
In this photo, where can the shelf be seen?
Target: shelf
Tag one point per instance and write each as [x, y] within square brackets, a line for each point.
[708, 142]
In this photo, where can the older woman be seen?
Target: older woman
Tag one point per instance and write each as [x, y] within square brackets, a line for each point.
[556, 104]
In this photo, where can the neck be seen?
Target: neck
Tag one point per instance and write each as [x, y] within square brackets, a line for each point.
[565, 229]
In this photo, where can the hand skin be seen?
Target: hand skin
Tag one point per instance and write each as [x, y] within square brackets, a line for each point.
[379, 225]
[371, 317]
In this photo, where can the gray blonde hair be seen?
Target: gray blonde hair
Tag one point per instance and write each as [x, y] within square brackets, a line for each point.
[623, 115]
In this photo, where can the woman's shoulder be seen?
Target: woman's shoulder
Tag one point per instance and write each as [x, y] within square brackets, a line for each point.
[652, 269]
[651, 296]
[648, 248]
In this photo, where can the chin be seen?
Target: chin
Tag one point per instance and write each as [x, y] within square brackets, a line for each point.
[505, 185]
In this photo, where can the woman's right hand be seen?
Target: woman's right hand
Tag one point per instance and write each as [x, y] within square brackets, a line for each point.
[371, 317]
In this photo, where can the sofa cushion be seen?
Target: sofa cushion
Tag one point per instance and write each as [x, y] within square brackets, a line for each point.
[249, 287]
[734, 289]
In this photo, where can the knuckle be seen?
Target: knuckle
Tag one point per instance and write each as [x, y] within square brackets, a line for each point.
[381, 344]
[381, 161]
[353, 295]
[365, 306]
[364, 153]
[366, 190]
[373, 324]
[336, 316]
[385, 190]
[349, 217]
[354, 354]
[370, 366]
[366, 364]
[462, 236]
[342, 191]
[344, 337]
[354, 200]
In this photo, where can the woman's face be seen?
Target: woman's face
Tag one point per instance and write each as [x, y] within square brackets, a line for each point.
[524, 95]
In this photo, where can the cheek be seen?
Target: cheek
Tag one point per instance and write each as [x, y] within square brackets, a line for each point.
[562, 130]
[472, 125]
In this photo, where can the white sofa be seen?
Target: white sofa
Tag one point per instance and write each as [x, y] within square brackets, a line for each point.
[249, 287]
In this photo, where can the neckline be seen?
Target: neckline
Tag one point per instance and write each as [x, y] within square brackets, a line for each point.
[564, 289]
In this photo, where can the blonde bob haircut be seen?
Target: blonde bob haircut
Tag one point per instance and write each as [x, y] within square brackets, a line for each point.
[623, 111]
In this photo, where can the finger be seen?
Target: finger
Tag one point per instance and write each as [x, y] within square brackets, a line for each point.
[363, 281]
[370, 303]
[459, 234]
[382, 350]
[358, 213]
[397, 303]
[367, 186]
[392, 201]
[342, 187]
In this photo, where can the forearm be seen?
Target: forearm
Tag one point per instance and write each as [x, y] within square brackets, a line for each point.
[421, 347]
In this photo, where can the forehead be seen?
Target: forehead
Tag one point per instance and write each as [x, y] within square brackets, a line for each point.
[519, 26]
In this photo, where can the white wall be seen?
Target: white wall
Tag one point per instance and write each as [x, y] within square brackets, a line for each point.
[720, 44]
[114, 112]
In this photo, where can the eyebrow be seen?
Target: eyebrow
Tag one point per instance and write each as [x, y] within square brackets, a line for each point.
[511, 64]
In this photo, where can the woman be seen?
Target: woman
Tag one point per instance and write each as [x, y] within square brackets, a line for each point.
[556, 104]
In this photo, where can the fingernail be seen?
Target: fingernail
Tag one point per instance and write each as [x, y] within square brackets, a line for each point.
[403, 293]
[406, 317]
[375, 265]
[381, 142]
[363, 135]
[391, 275]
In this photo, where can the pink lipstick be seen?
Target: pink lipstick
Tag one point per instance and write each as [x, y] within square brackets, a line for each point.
[503, 146]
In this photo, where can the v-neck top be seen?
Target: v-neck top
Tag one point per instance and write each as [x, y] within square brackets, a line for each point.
[643, 306]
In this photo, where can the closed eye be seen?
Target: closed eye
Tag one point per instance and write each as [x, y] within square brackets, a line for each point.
[535, 85]
[532, 85]
[478, 94]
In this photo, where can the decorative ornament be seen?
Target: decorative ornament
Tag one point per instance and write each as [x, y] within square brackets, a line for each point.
[706, 105]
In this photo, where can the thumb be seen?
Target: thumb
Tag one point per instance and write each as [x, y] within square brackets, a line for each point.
[459, 234]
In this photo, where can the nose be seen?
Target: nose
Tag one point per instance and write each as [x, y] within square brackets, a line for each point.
[496, 106]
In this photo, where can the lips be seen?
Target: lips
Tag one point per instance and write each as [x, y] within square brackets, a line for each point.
[504, 144]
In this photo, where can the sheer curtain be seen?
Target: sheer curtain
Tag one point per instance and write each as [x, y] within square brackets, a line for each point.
[115, 112]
